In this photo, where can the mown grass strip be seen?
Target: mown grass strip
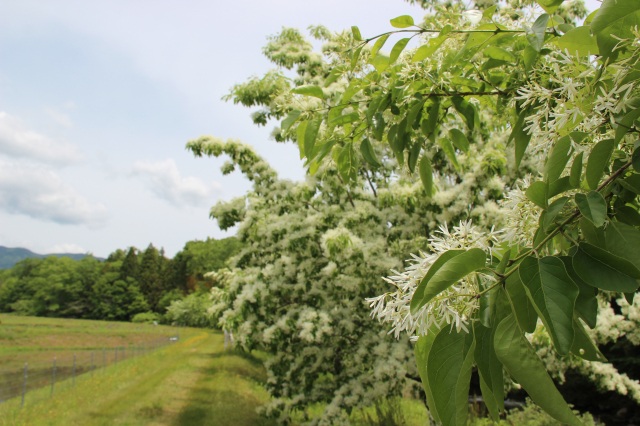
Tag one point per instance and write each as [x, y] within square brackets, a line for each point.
[193, 382]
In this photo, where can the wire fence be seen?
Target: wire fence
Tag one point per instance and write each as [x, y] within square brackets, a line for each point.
[17, 383]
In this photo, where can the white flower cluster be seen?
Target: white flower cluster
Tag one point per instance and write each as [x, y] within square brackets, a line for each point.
[453, 306]
[520, 215]
[573, 99]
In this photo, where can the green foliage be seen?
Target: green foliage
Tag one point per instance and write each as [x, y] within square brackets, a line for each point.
[145, 318]
[476, 108]
[192, 311]
[398, 101]
[530, 415]
[128, 282]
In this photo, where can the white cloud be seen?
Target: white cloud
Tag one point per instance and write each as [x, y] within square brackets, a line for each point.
[164, 180]
[20, 142]
[40, 193]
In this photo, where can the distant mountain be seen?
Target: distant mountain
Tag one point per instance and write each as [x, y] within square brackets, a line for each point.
[10, 256]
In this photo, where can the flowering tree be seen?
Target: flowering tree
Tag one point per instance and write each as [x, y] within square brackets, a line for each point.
[514, 123]
[569, 98]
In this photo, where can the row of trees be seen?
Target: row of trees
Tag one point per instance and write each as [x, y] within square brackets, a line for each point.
[502, 151]
[128, 282]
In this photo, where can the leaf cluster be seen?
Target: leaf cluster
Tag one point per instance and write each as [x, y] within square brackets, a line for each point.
[426, 108]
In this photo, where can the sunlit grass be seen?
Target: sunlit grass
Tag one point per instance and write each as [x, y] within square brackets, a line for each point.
[191, 382]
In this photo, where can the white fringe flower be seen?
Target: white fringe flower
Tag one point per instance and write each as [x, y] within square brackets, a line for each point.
[454, 306]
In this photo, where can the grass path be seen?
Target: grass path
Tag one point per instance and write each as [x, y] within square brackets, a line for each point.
[193, 382]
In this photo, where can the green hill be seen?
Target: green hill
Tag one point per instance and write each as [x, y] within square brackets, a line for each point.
[10, 256]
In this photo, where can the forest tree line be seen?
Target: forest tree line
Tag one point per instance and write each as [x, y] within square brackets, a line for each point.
[128, 282]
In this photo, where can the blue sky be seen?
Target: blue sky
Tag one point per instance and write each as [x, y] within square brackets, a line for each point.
[98, 99]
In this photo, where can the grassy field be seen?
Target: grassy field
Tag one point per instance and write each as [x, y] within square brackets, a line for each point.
[193, 381]
[32, 339]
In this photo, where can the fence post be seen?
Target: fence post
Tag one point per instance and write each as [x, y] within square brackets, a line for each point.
[116, 358]
[24, 383]
[73, 378]
[53, 376]
[92, 363]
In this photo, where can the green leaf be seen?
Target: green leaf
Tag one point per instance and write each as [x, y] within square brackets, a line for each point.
[459, 140]
[346, 162]
[320, 152]
[504, 261]
[626, 123]
[521, 362]
[466, 109]
[291, 118]
[498, 53]
[537, 193]
[414, 153]
[380, 63]
[422, 349]
[415, 111]
[426, 174]
[613, 22]
[489, 12]
[592, 234]
[310, 135]
[602, 269]
[520, 136]
[623, 240]
[490, 34]
[598, 162]
[553, 294]
[429, 48]
[449, 375]
[549, 6]
[378, 45]
[635, 160]
[356, 33]
[449, 151]
[631, 183]
[456, 266]
[529, 57]
[335, 73]
[525, 314]
[341, 120]
[397, 49]
[428, 126]
[628, 215]
[403, 21]
[536, 34]
[557, 159]
[578, 41]
[366, 149]
[354, 59]
[379, 126]
[300, 133]
[593, 207]
[489, 370]
[589, 19]
[576, 171]
[586, 303]
[583, 346]
[418, 294]
[552, 213]
[487, 307]
[578, 137]
[559, 186]
[314, 91]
